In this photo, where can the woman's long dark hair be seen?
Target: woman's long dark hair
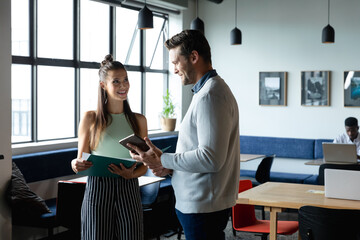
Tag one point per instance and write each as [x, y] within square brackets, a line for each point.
[103, 117]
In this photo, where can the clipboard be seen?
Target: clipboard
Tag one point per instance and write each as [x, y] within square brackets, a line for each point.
[101, 163]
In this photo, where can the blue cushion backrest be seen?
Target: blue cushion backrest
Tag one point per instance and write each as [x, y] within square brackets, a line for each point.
[282, 147]
[289, 177]
[165, 141]
[45, 165]
[318, 147]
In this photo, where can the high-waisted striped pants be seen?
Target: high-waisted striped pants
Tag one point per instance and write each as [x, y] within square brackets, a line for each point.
[111, 209]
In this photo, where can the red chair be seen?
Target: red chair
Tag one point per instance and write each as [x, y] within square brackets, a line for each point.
[244, 219]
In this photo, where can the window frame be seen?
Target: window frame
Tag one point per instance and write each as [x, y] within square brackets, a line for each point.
[34, 61]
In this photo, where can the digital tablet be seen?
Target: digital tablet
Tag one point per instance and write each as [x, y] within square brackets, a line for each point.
[134, 140]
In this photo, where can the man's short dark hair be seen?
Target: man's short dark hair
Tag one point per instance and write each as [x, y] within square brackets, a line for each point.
[190, 40]
[351, 122]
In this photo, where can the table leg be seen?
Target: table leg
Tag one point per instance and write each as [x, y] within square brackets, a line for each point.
[273, 221]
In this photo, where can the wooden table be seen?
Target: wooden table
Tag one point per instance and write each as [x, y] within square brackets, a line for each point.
[316, 162]
[143, 180]
[248, 157]
[276, 196]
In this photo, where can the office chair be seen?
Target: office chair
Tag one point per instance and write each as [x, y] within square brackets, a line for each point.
[262, 175]
[69, 201]
[317, 223]
[244, 219]
[322, 167]
[158, 210]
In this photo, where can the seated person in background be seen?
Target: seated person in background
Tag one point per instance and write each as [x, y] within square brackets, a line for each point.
[352, 135]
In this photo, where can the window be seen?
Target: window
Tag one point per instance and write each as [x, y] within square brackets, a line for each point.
[55, 29]
[57, 55]
[94, 33]
[20, 27]
[21, 103]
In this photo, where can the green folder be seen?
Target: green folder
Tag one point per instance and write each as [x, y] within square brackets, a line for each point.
[101, 164]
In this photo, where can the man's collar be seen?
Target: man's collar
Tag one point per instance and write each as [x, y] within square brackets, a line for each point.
[196, 88]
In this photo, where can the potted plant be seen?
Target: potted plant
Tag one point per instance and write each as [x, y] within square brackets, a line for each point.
[168, 118]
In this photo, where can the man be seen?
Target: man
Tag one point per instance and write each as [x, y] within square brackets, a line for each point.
[352, 135]
[206, 166]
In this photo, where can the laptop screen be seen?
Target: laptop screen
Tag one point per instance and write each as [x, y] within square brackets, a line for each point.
[339, 153]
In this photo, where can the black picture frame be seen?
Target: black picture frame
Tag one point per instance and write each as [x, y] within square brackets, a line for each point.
[351, 88]
[272, 88]
[315, 88]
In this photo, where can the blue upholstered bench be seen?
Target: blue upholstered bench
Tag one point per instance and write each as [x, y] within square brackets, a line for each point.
[41, 166]
[52, 164]
[284, 148]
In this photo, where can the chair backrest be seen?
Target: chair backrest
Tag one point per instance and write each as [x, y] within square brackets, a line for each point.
[316, 223]
[263, 171]
[149, 192]
[335, 166]
[243, 214]
[69, 202]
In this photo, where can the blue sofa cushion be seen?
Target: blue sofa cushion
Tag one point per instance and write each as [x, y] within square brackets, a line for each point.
[46, 165]
[166, 141]
[282, 147]
[247, 173]
[288, 177]
[46, 220]
[318, 147]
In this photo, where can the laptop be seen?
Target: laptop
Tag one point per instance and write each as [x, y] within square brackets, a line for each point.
[339, 153]
[344, 184]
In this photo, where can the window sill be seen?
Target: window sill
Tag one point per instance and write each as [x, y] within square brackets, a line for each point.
[25, 148]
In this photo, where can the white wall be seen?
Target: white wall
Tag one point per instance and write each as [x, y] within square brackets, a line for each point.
[284, 35]
[5, 115]
[184, 96]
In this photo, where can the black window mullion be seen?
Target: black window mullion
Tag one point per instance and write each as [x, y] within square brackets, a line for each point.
[165, 55]
[142, 70]
[76, 50]
[34, 81]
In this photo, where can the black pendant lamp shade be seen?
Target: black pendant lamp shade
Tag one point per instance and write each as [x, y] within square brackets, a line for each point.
[145, 18]
[328, 33]
[235, 36]
[197, 24]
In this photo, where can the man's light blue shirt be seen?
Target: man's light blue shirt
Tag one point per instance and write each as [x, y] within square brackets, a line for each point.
[196, 88]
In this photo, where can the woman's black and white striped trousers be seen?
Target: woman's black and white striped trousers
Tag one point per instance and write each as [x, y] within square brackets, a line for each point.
[111, 209]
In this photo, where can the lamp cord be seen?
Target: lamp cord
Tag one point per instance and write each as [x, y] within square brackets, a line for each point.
[235, 13]
[197, 7]
[328, 12]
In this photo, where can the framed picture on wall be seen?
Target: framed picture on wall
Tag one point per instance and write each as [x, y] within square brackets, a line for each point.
[272, 88]
[352, 89]
[315, 88]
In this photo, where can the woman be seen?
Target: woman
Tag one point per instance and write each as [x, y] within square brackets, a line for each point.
[112, 206]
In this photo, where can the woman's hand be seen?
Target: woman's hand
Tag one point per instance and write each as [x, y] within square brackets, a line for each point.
[121, 170]
[79, 164]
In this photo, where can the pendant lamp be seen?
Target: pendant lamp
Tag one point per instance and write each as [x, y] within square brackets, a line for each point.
[145, 18]
[197, 23]
[328, 33]
[235, 34]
